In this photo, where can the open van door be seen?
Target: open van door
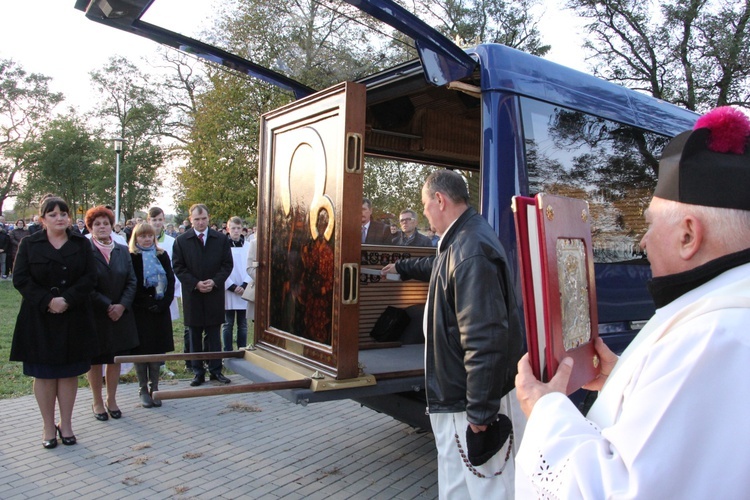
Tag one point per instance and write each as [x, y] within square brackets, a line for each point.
[311, 167]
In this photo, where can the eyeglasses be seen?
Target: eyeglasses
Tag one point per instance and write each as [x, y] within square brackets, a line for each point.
[407, 219]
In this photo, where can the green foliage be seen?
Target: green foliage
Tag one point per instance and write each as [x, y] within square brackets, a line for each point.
[223, 151]
[510, 23]
[695, 54]
[316, 43]
[25, 106]
[13, 383]
[131, 109]
[394, 186]
[65, 160]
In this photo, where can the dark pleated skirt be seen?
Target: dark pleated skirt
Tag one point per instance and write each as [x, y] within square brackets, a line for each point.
[42, 370]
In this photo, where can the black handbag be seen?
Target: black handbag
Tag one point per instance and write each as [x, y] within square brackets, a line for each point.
[390, 325]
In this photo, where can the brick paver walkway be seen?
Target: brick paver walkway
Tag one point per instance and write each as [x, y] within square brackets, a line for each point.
[238, 446]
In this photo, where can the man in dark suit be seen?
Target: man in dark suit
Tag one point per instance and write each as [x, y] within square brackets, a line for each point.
[202, 260]
[373, 232]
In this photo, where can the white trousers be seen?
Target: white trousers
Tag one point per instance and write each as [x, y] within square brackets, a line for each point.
[455, 480]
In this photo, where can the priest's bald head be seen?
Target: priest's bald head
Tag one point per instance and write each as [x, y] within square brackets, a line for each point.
[701, 205]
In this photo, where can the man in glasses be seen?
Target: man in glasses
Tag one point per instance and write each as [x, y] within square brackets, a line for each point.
[409, 236]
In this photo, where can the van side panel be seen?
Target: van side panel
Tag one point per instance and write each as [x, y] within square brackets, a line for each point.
[503, 172]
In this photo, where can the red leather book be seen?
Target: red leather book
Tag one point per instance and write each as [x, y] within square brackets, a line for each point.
[556, 262]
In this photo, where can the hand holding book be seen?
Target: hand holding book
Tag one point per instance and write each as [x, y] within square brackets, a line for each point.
[557, 279]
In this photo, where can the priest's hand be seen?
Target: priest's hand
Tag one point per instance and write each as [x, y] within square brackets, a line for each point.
[529, 390]
[608, 359]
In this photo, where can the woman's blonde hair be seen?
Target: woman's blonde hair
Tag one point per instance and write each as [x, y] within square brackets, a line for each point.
[140, 230]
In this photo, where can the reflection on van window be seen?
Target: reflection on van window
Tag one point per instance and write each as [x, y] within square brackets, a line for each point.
[393, 201]
[611, 165]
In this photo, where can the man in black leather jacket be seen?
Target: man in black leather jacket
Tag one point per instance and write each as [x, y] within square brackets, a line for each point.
[474, 337]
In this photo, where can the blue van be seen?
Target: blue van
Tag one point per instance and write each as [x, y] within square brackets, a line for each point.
[509, 122]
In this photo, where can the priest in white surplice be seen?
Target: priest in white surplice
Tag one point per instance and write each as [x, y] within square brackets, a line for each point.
[673, 416]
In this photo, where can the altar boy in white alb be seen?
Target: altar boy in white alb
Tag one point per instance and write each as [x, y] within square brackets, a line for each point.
[671, 420]
[235, 308]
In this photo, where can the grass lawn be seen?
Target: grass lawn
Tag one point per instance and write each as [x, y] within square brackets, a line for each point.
[14, 383]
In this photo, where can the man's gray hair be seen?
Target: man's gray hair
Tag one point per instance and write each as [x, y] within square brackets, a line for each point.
[449, 183]
[729, 226]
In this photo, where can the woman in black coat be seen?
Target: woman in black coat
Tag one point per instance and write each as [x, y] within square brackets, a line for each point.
[113, 302]
[153, 295]
[4, 251]
[19, 232]
[54, 334]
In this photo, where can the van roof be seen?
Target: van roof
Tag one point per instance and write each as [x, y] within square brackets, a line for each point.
[505, 69]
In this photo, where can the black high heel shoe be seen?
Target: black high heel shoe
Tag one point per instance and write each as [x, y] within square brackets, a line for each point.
[113, 413]
[102, 417]
[67, 441]
[50, 443]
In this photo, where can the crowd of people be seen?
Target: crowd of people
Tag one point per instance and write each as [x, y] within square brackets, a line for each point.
[91, 293]
[674, 399]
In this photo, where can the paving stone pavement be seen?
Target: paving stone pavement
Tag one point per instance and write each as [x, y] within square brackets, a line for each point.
[257, 446]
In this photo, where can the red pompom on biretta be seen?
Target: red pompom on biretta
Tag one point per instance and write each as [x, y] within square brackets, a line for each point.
[709, 165]
[730, 129]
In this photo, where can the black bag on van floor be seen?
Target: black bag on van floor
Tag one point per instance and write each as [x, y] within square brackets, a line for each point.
[390, 325]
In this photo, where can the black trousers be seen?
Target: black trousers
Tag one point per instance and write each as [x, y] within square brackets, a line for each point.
[205, 339]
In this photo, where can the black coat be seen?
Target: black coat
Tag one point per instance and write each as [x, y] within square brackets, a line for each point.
[15, 239]
[419, 240]
[4, 241]
[378, 234]
[474, 334]
[43, 272]
[115, 285]
[152, 318]
[193, 262]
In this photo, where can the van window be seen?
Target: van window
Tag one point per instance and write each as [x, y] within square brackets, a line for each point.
[393, 186]
[611, 165]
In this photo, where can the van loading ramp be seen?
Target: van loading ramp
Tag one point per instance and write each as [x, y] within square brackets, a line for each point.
[385, 365]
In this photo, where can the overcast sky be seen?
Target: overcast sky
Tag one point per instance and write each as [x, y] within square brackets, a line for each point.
[53, 38]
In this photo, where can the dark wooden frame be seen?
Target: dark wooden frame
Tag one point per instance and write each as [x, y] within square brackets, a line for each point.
[344, 103]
